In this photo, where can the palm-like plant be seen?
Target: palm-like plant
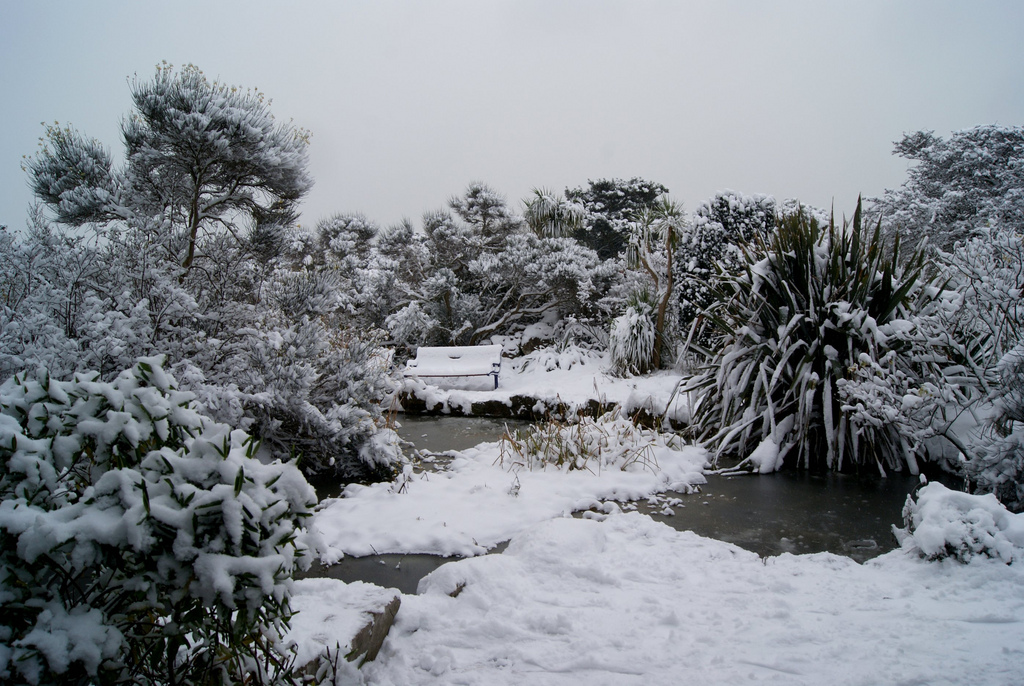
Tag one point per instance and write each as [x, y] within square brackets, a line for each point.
[822, 305]
[550, 215]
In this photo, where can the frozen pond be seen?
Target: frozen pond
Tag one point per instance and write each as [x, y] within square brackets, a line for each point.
[437, 434]
[769, 514]
[794, 512]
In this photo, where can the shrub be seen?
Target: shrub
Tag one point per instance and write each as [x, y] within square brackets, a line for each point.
[710, 245]
[940, 523]
[633, 338]
[139, 541]
[996, 464]
[797, 326]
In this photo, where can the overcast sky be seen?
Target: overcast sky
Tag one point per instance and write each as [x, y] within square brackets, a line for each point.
[408, 102]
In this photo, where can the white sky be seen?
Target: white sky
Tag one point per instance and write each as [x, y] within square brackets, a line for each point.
[410, 101]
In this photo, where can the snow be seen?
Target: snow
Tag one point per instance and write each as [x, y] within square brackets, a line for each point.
[617, 598]
[573, 378]
[945, 523]
[631, 601]
[486, 496]
[64, 637]
[767, 456]
[329, 613]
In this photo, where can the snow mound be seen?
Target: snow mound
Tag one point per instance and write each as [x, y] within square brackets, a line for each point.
[943, 523]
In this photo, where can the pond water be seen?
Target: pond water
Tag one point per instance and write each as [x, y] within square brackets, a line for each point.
[438, 434]
[769, 514]
[793, 512]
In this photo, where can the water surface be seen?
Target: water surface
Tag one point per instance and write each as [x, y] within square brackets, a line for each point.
[769, 514]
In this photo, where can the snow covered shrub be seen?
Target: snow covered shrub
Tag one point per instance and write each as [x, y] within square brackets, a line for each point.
[940, 523]
[821, 305]
[710, 245]
[139, 541]
[561, 357]
[996, 464]
[315, 392]
[985, 325]
[633, 337]
[987, 318]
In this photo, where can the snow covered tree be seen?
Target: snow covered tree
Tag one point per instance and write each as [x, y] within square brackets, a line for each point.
[74, 176]
[487, 213]
[198, 153]
[462, 288]
[653, 240]
[711, 245]
[189, 251]
[973, 179]
[549, 214]
[610, 205]
[205, 151]
[829, 352]
[532, 278]
[347, 238]
[141, 542]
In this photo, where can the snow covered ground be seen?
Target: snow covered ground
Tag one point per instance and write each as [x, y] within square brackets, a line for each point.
[618, 598]
[627, 600]
[484, 498]
[631, 601]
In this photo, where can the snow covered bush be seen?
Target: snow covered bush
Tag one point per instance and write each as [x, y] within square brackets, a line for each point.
[139, 541]
[996, 463]
[797, 326]
[710, 245]
[632, 339]
[324, 405]
[985, 326]
[940, 523]
[987, 318]
[558, 357]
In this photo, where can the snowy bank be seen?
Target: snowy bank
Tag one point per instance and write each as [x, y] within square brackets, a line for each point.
[487, 495]
[544, 383]
[632, 601]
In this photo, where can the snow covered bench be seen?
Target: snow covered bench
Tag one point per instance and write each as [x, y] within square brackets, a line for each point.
[456, 361]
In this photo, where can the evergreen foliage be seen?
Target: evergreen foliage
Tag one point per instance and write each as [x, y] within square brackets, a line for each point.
[141, 542]
[610, 206]
[712, 244]
[797, 326]
[972, 180]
